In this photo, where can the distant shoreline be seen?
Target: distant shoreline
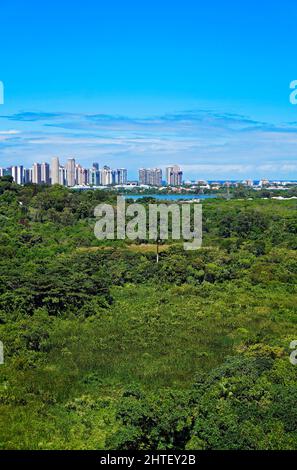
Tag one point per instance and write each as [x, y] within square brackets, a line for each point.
[171, 197]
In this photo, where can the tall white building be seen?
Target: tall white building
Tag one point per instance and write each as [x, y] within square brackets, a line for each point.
[70, 172]
[78, 168]
[174, 176]
[55, 171]
[62, 176]
[17, 172]
[20, 174]
[28, 175]
[14, 170]
[36, 175]
[94, 176]
[106, 176]
[45, 173]
[122, 176]
[82, 176]
[150, 176]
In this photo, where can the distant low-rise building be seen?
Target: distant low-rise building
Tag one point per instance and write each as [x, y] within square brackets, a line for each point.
[248, 183]
[263, 183]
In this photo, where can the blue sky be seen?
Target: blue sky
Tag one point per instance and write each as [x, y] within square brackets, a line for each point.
[151, 83]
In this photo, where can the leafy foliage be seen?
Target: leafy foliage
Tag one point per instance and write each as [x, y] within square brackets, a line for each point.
[105, 348]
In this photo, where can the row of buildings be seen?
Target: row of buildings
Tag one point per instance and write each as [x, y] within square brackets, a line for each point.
[73, 174]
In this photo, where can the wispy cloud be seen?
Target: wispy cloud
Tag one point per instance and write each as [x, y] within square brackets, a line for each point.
[9, 132]
[32, 116]
[205, 143]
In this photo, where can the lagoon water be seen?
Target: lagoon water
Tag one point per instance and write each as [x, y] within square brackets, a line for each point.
[172, 197]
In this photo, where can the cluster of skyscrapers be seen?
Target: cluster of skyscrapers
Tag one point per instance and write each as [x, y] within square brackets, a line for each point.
[73, 174]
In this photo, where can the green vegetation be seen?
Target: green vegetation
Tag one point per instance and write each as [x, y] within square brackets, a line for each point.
[106, 349]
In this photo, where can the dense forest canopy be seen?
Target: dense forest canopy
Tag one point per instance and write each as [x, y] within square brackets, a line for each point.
[107, 349]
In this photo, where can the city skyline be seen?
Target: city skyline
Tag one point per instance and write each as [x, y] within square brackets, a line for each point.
[72, 173]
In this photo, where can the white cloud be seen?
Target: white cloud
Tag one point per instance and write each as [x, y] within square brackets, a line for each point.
[10, 132]
[205, 144]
